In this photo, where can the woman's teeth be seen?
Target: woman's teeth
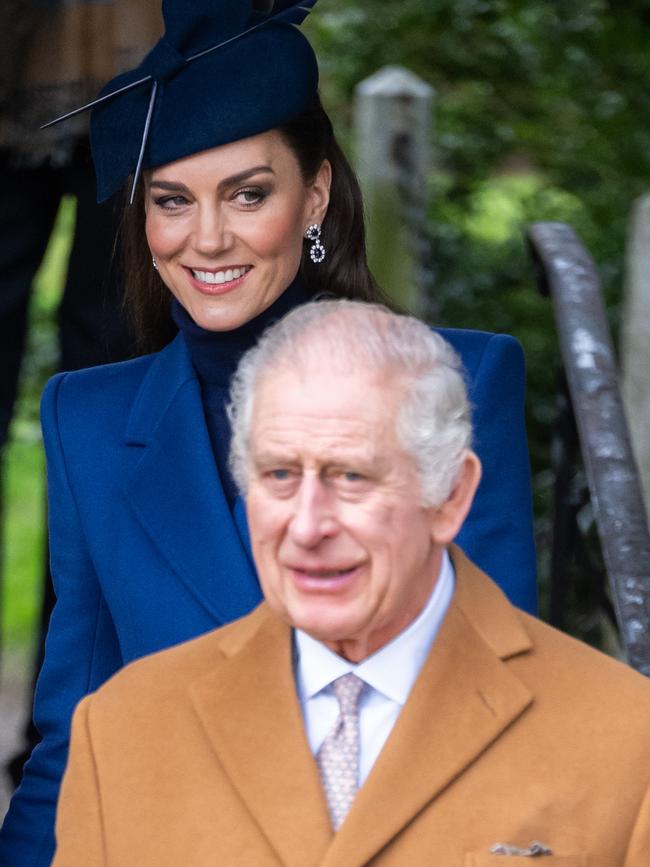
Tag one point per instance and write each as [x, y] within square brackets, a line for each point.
[216, 277]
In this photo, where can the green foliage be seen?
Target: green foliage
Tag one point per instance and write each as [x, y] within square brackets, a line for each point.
[23, 483]
[42, 352]
[554, 88]
[562, 87]
[24, 546]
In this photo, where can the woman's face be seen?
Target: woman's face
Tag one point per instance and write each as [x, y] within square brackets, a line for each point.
[226, 226]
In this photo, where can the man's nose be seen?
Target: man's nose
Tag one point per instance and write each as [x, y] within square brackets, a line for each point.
[313, 519]
[211, 234]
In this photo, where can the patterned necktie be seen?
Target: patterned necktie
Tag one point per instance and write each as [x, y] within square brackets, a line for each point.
[338, 756]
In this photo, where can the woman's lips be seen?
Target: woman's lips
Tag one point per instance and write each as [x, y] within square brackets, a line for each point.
[218, 282]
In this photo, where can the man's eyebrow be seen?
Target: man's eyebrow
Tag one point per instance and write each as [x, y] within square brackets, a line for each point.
[269, 457]
[231, 181]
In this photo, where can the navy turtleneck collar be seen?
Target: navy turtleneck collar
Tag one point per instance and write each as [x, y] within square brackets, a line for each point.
[215, 356]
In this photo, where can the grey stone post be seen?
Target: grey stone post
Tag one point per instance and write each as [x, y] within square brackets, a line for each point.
[635, 338]
[393, 121]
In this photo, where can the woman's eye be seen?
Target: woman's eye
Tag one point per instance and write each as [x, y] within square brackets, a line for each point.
[250, 196]
[170, 203]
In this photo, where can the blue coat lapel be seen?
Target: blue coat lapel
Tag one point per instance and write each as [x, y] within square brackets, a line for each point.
[176, 492]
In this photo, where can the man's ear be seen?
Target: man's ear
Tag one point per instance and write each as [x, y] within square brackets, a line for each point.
[446, 520]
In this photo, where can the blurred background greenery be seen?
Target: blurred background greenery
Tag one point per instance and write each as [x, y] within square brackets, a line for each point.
[540, 114]
[23, 548]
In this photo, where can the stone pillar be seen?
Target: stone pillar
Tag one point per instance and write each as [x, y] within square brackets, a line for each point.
[635, 338]
[393, 121]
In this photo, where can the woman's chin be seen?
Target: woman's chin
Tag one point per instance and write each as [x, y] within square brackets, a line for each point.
[217, 315]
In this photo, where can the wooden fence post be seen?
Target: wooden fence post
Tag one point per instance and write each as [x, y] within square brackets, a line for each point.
[393, 119]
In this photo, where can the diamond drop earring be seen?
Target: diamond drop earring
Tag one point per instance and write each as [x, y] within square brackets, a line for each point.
[316, 251]
[154, 263]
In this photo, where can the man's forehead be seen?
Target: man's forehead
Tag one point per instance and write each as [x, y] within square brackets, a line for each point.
[317, 379]
[322, 420]
[286, 439]
[324, 402]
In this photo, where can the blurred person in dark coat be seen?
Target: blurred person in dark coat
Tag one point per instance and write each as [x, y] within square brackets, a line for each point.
[52, 56]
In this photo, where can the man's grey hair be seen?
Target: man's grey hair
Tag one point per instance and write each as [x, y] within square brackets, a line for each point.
[433, 423]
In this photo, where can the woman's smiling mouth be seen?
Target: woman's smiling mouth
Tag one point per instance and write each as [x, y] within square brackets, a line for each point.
[217, 282]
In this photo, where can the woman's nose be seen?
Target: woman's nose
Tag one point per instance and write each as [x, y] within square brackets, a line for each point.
[211, 235]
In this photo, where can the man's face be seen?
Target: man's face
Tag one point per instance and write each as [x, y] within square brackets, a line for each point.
[342, 543]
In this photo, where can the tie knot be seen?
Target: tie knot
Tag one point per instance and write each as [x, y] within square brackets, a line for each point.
[347, 689]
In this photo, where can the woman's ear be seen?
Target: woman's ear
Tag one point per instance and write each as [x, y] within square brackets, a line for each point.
[319, 193]
[447, 519]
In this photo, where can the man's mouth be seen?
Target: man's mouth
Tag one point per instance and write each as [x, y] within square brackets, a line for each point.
[324, 575]
[329, 580]
[216, 278]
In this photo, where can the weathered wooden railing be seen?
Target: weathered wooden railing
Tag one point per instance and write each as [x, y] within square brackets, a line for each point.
[567, 273]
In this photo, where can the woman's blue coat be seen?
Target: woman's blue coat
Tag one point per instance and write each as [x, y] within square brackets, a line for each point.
[145, 552]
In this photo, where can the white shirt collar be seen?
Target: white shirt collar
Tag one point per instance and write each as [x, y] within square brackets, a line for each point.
[394, 668]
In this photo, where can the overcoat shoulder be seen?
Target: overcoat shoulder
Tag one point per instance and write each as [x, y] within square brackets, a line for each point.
[512, 733]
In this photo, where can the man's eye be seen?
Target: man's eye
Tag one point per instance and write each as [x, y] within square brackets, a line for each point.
[280, 482]
[349, 479]
[280, 476]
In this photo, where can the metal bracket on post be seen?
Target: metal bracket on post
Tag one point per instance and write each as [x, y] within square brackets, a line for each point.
[567, 273]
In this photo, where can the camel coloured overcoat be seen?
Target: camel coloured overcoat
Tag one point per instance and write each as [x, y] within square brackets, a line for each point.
[513, 733]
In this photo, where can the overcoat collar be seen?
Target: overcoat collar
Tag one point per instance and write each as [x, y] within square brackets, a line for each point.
[169, 371]
[176, 492]
[464, 699]
[251, 715]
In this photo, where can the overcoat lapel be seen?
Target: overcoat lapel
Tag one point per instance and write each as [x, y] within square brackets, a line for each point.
[463, 700]
[251, 715]
[176, 492]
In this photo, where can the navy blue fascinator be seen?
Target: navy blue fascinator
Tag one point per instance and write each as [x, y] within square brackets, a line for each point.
[224, 70]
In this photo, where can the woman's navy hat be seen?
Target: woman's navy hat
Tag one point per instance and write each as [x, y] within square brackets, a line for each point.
[224, 70]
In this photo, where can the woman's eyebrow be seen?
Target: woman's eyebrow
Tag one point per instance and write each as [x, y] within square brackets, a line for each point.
[240, 177]
[169, 185]
[230, 181]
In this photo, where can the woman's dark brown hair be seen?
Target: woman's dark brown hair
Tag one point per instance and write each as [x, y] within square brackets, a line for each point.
[344, 273]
